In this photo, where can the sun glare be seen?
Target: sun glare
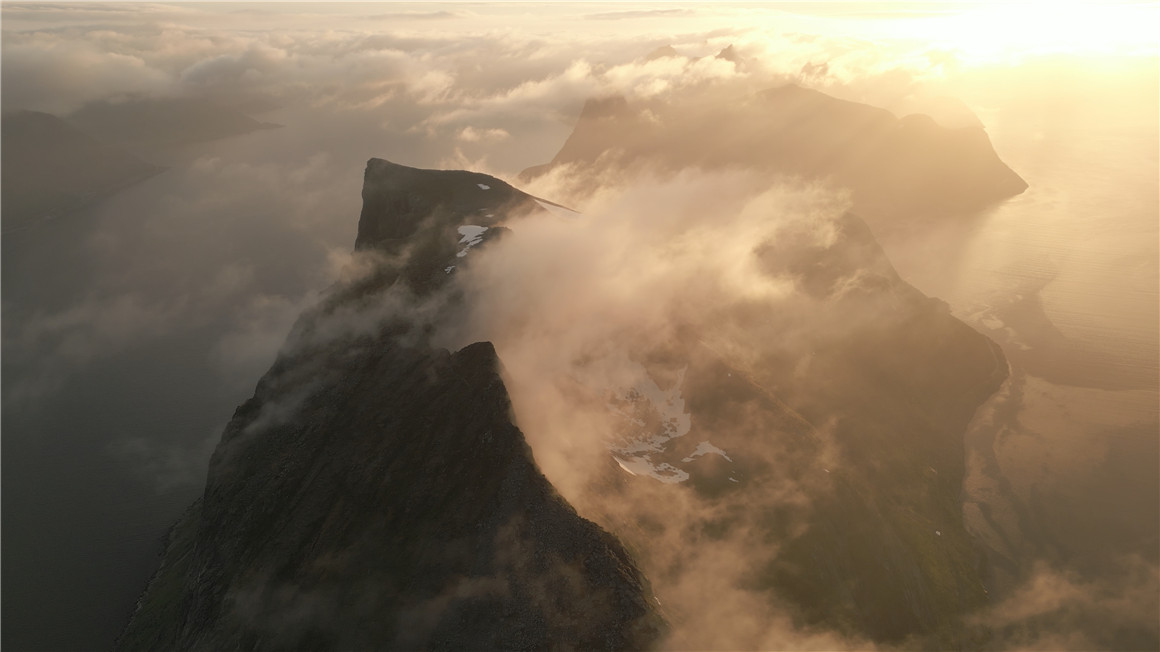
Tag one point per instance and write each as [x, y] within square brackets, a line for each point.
[986, 32]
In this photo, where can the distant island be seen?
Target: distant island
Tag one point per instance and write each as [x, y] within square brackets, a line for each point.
[897, 170]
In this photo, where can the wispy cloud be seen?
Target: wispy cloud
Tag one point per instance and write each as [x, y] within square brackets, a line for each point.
[646, 13]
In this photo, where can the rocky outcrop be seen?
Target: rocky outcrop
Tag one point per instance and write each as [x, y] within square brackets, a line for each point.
[375, 493]
[399, 202]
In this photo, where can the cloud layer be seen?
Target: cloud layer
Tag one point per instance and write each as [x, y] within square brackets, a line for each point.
[197, 275]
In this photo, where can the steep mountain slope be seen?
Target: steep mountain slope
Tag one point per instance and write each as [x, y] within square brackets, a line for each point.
[51, 168]
[374, 493]
[823, 442]
[897, 169]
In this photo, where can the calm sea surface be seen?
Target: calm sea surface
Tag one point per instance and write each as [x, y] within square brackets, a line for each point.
[1074, 261]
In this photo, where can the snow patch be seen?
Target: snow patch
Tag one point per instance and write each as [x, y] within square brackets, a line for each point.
[483, 186]
[651, 417]
[471, 232]
[558, 211]
[705, 448]
[642, 465]
[470, 235]
[650, 404]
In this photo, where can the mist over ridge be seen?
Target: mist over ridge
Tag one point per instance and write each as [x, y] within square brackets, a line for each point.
[714, 296]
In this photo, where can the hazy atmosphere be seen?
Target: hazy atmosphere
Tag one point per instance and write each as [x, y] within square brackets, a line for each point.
[875, 285]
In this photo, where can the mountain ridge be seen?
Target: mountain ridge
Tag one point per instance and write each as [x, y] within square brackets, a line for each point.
[375, 492]
[897, 169]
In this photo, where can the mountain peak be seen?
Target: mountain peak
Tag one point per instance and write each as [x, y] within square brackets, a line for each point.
[663, 52]
[398, 199]
[611, 106]
[729, 53]
[408, 508]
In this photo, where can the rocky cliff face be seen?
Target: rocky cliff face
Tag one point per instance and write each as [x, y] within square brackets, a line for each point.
[897, 169]
[375, 493]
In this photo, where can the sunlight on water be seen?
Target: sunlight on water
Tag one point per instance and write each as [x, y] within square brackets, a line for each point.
[1072, 262]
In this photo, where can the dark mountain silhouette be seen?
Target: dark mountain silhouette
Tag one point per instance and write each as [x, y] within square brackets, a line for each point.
[729, 53]
[400, 203]
[417, 213]
[163, 122]
[897, 169]
[51, 168]
[374, 493]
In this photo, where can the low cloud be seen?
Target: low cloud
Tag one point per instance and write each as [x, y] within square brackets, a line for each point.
[1060, 609]
[167, 466]
[60, 75]
[245, 351]
[651, 13]
[419, 15]
[582, 312]
[473, 135]
[474, 73]
[236, 239]
[51, 347]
